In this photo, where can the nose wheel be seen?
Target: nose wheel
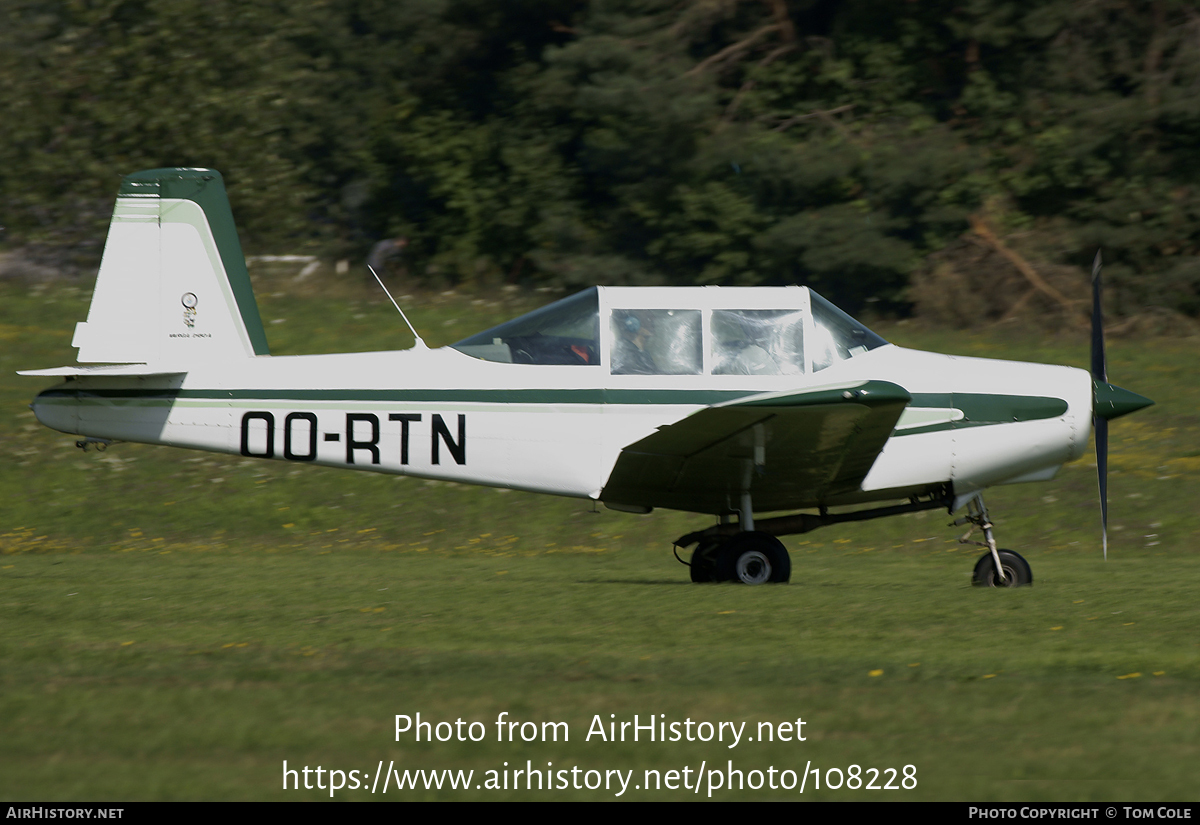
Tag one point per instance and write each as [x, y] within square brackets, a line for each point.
[1016, 570]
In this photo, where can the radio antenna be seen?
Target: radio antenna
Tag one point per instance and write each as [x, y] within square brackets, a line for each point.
[419, 344]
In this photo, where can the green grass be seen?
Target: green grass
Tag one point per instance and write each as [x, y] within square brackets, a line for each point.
[177, 624]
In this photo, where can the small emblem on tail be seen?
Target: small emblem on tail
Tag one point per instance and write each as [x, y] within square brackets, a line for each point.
[189, 308]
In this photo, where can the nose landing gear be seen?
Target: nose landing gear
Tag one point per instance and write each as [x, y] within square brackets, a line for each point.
[997, 567]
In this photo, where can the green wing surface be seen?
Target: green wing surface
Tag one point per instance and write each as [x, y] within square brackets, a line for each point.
[794, 449]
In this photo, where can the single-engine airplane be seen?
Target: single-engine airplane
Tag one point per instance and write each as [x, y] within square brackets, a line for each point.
[726, 401]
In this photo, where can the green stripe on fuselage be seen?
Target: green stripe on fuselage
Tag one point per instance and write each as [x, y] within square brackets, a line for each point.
[984, 409]
[979, 409]
[531, 396]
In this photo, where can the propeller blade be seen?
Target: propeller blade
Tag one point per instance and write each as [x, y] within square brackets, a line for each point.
[1100, 430]
[1099, 367]
[1099, 378]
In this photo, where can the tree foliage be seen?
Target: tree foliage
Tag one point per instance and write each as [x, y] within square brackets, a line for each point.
[842, 144]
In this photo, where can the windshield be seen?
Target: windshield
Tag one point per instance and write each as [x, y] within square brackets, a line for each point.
[838, 336]
[565, 332]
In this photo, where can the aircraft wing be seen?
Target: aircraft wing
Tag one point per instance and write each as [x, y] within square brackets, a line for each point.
[796, 449]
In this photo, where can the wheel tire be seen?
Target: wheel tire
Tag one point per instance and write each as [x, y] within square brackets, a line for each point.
[753, 558]
[1016, 570]
[704, 561]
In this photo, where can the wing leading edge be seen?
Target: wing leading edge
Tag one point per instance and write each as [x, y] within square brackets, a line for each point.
[791, 450]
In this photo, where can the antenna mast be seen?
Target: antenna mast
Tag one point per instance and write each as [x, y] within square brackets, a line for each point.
[420, 344]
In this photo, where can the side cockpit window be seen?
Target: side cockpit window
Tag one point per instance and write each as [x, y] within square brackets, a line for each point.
[565, 332]
[757, 342]
[656, 342]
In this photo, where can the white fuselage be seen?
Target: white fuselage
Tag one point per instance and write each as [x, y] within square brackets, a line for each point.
[442, 414]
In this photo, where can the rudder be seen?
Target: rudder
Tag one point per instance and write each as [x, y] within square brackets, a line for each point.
[173, 286]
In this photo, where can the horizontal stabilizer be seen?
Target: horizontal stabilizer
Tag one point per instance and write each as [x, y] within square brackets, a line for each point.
[104, 370]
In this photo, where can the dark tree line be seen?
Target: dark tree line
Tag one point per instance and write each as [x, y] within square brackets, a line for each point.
[850, 145]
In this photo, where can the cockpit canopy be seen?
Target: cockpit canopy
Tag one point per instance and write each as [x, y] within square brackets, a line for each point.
[681, 331]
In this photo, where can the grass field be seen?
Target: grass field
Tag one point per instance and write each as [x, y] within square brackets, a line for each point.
[178, 624]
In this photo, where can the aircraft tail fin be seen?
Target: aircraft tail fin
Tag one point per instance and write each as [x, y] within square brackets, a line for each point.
[173, 286]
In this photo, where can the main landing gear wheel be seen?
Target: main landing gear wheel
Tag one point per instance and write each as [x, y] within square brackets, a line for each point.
[753, 558]
[1016, 570]
[704, 561]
